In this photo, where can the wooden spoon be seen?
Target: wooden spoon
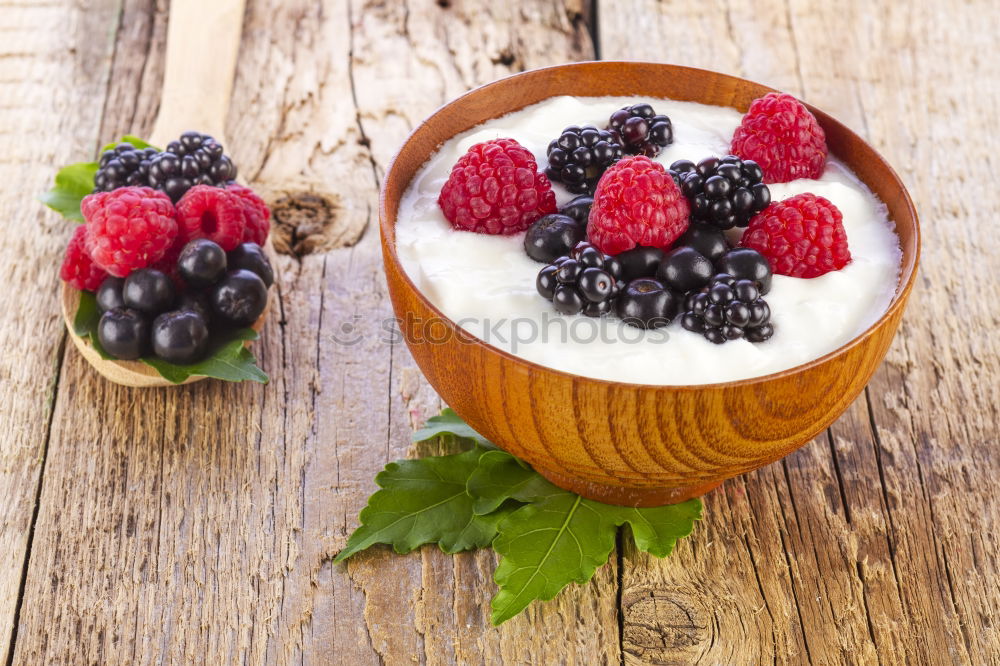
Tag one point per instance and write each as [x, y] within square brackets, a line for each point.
[203, 40]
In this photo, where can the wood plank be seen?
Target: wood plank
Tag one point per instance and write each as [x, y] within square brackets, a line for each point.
[53, 80]
[875, 542]
[197, 524]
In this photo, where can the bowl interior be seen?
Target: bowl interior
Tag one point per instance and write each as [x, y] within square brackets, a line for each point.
[641, 79]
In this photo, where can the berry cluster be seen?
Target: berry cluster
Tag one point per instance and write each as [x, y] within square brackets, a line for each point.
[642, 130]
[173, 264]
[728, 309]
[584, 281]
[581, 155]
[193, 159]
[147, 312]
[724, 192]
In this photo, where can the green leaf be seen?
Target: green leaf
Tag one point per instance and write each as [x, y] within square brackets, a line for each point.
[546, 545]
[230, 361]
[559, 537]
[449, 423]
[73, 183]
[86, 320]
[655, 530]
[76, 181]
[500, 477]
[424, 501]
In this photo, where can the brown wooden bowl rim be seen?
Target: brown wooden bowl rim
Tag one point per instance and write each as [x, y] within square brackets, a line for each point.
[908, 269]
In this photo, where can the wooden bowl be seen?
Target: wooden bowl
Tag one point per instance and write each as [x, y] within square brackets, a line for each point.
[126, 373]
[623, 443]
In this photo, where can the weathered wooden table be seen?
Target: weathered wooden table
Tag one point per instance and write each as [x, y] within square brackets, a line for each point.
[196, 525]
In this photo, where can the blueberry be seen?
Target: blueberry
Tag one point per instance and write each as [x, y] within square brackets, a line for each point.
[552, 236]
[546, 282]
[640, 262]
[647, 303]
[196, 301]
[566, 300]
[251, 257]
[595, 284]
[707, 240]
[109, 294]
[148, 290]
[201, 262]
[180, 337]
[685, 269]
[123, 333]
[746, 264]
[239, 298]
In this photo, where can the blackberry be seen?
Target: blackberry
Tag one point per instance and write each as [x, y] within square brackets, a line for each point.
[641, 130]
[584, 281]
[194, 159]
[580, 155]
[724, 193]
[728, 309]
[122, 166]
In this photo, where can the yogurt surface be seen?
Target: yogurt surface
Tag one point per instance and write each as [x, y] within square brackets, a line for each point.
[486, 284]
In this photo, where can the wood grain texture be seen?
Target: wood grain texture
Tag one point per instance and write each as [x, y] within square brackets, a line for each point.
[624, 443]
[194, 526]
[875, 543]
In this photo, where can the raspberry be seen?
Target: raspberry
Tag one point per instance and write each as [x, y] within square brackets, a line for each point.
[78, 269]
[496, 188]
[637, 203]
[168, 263]
[783, 137]
[213, 213]
[802, 236]
[257, 214]
[128, 228]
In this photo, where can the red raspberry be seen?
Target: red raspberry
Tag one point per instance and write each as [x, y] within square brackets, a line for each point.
[783, 137]
[206, 211]
[636, 203]
[167, 264]
[78, 269]
[257, 214]
[128, 228]
[802, 236]
[496, 188]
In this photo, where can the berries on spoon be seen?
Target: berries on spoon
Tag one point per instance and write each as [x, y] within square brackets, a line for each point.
[123, 333]
[239, 298]
[180, 337]
[149, 291]
[201, 263]
[109, 294]
[250, 256]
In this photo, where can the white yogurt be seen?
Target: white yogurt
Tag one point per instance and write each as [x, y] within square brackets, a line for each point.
[486, 284]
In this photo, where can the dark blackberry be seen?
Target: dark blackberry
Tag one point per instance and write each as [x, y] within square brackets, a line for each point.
[122, 166]
[724, 193]
[583, 281]
[580, 155]
[640, 130]
[728, 309]
[194, 159]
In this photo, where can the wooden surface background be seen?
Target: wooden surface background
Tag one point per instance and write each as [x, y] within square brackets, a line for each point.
[196, 525]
